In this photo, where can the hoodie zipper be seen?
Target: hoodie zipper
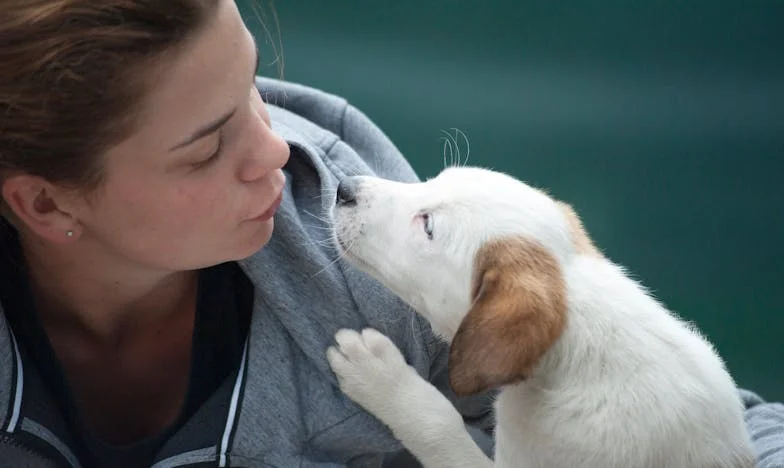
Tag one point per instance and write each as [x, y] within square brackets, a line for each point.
[31, 456]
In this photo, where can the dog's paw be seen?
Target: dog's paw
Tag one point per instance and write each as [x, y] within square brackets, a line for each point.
[369, 367]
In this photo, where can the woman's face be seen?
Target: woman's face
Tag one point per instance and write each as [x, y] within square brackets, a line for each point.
[198, 183]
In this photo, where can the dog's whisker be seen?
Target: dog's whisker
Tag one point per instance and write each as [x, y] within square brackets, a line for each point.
[448, 149]
[317, 243]
[464, 137]
[325, 228]
[320, 228]
[299, 220]
[457, 151]
[337, 259]
[320, 218]
[454, 151]
[328, 193]
[325, 241]
[327, 266]
[443, 150]
[324, 194]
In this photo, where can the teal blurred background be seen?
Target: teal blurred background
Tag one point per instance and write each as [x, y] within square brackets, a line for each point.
[662, 122]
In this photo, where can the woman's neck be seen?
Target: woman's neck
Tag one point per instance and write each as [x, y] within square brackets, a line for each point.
[82, 289]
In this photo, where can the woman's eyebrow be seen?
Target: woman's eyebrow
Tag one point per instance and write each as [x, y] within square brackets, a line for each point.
[206, 130]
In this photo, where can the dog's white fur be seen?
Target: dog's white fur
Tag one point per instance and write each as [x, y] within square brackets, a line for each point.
[619, 382]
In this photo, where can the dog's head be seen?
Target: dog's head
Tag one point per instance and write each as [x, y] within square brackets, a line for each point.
[478, 253]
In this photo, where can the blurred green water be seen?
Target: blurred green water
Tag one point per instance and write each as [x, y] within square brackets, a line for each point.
[662, 122]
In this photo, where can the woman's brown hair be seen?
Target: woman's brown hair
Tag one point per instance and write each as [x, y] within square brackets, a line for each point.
[73, 74]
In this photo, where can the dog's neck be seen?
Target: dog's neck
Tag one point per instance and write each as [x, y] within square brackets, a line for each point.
[444, 318]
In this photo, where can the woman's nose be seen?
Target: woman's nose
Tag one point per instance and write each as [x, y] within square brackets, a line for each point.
[268, 153]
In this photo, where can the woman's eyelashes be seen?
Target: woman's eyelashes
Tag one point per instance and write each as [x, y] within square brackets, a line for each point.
[213, 156]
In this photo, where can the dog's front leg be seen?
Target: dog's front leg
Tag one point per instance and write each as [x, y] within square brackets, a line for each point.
[372, 372]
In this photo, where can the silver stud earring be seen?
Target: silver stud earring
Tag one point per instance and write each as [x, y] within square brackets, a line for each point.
[69, 233]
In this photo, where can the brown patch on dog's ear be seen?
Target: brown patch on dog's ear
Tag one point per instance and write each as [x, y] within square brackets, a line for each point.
[582, 243]
[519, 311]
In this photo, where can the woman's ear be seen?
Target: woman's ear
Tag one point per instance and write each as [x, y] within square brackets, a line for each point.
[35, 203]
[519, 311]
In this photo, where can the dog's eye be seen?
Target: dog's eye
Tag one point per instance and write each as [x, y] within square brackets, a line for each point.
[427, 222]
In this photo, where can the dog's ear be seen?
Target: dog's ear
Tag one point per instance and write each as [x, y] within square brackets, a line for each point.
[519, 310]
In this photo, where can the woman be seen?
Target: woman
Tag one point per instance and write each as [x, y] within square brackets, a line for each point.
[149, 317]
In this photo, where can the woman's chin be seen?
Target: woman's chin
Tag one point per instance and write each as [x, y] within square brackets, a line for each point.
[256, 239]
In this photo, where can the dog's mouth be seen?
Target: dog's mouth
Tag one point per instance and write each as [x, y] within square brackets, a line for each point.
[344, 237]
[342, 245]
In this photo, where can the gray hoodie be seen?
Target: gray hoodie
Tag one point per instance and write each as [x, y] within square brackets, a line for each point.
[282, 408]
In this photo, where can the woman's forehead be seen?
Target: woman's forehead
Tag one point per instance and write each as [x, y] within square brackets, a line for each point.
[201, 81]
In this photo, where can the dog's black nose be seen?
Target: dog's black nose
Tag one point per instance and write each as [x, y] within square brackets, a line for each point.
[347, 191]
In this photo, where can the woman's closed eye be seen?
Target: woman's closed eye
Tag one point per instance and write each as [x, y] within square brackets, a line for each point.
[213, 156]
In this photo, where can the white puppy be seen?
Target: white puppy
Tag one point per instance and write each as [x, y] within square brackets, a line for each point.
[593, 371]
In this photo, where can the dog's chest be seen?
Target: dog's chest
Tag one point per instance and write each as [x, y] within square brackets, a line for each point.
[521, 437]
[533, 430]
